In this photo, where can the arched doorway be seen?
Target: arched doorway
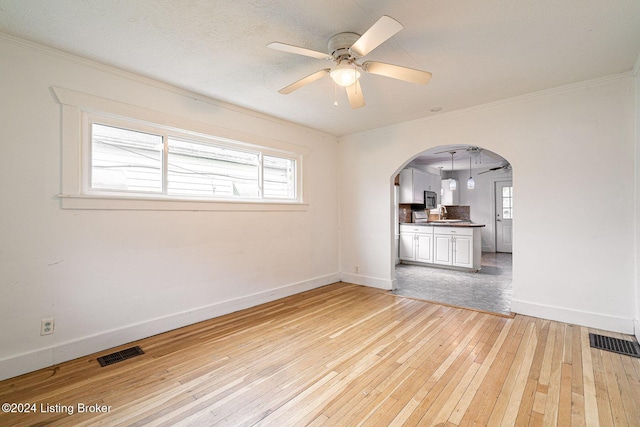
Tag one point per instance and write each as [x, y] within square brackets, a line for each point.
[481, 198]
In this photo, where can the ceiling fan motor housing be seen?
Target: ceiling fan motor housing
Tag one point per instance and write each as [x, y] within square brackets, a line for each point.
[339, 45]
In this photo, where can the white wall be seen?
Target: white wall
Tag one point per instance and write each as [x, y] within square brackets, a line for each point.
[572, 151]
[109, 277]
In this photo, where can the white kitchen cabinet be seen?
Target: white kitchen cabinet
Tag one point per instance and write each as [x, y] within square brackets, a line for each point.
[445, 246]
[416, 243]
[457, 247]
[443, 249]
[462, 252]
[413, 183]
[433, 183]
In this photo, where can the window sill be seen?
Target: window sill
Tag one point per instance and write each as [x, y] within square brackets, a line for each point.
[81, 201]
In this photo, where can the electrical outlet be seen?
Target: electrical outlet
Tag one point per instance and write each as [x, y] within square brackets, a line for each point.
[47, 326]
[357, 269]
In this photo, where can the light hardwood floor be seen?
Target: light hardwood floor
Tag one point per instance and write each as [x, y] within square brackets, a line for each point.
[346, 355]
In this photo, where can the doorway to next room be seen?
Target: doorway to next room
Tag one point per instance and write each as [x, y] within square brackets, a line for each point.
[481, 199]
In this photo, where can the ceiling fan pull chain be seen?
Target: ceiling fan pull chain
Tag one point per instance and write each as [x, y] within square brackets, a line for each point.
[335, 94]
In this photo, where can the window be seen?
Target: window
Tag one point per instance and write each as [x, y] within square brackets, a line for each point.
[125, 160]
[133, 158]
[202, 170]
[121, 156]
[507, 202]
[279, 177]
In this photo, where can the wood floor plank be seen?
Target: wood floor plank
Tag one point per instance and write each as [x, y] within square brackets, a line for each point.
[472, 389]
[489, 392]
[630, 408]
[616, 401]
[345, 355]
[605, 418]
[531, 394]
[520, 381]
[438, 401]
[592, 419]
[508, 391]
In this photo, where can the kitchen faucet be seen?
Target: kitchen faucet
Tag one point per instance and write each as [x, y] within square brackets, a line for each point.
[442, 211]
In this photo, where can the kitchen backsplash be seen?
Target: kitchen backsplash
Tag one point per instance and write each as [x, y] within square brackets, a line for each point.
[404, 213]
[458, 212]
[453, 212]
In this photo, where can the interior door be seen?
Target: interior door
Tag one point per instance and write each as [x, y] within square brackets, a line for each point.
[504, 216]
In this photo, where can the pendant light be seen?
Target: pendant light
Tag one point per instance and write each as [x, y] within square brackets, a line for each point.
[453, 184]
[470, 182]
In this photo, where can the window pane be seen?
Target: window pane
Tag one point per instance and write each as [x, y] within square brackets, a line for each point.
[198, 169]
[507, 214]
[126, 160]
[506, 191]
[279, 178]
[506, 202]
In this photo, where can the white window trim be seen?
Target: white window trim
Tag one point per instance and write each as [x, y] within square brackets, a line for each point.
[73, 195]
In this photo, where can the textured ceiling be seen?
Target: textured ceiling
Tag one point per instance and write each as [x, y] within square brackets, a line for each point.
[478, 52]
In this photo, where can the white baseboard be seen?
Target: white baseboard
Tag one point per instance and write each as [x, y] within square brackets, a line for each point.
[636, 329]
[372, 282]
[576, 317]
[43, 358]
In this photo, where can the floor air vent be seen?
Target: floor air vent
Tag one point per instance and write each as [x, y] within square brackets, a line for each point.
[616, 345]
[119, 356]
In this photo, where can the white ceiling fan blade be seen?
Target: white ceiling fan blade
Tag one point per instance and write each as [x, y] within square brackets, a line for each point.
[397, 72]
[354, 93]
[299, 50]
[507, 166]
[305, 81]
[379, 32]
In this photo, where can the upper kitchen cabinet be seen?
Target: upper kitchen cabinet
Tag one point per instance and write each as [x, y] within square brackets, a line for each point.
[413, 183]
[433, 183]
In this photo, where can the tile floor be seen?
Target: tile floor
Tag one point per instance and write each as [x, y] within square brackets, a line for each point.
[487, 290]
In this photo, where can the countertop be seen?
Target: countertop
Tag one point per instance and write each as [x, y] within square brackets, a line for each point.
[443, 224]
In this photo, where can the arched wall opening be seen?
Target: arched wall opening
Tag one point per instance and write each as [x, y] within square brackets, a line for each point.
[565, 145]
[483, 196]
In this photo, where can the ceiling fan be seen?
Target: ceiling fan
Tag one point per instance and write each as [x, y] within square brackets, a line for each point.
[472, 150]
[506, 167]
[345, 49]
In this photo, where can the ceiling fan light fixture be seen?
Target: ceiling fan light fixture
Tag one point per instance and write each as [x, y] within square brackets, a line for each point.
[344, 74]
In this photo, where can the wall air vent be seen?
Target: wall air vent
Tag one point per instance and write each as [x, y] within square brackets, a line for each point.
[119, 356]
[616, 345]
